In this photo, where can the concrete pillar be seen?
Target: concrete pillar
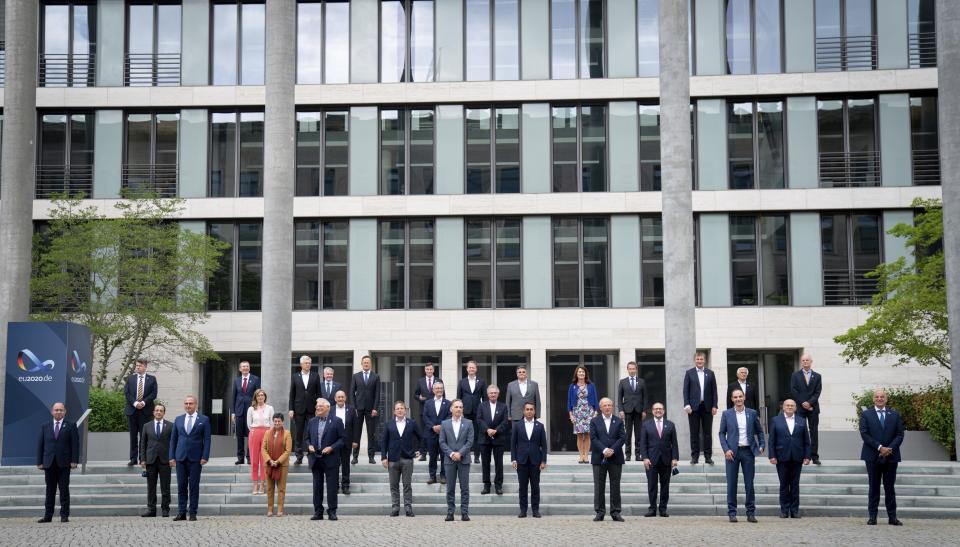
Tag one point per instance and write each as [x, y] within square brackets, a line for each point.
[675, 149]
[279, 163]
[17, 175]
[948, 73]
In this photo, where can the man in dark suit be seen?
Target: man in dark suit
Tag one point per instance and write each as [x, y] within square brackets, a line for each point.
[365, 393]
[154, 452]
[607, 436]
[329, 387]
[471, 391]
[805, 387]
[740, 433]
[139, 390]
[494, 435]
[435, 411]
[700, 404]
[324, 443]
[189, 451]
[751, 397]
[304, 390]
[347, 415]
[661, 454]
[58, 451]
[632, 400]
[243, 388]
[881, 429]
[422, 393]
[401, 441]
[528, 455]
[789, 446]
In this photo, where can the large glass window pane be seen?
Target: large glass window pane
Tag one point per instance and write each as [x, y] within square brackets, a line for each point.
[648, 38]
[81, 139]
[140, 29]
[866, 242]
[306, 276]
[336, 42]
[864, 164]
[335, 239]
[224, 59]
[249, 264]
[251, 154]
[591, 39]
[768, 40]
[833, 241]
[739, 50]
[740, 145]
[309, 52]
[392, 153]
[223, 150]
[392, 264]
[53, 139]
[477, 126]
[508, 287]
[830, 126]
[771, 145]
[421, 40]
[650, 147]
[743, 254]
[774, 260]
[651, 261]
[168, 29]
[924, 140]
[166, 139]
[566, 263]
[393, 41]
[84, 40]
[252, 44]
[508, 150]
[593, 134]
[421, 264]
[308, 153]
[506, 36]
[336, 151]
[479, 265]
[563, 39]
[220, 284]
[827, 18]
[565, 175]
[596, 246]
[139, 142]
[421, 151]
[478, 40]
[56, 43]
[922, 33]
[860, 39]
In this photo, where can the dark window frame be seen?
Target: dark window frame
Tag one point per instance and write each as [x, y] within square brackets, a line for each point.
[578, 61]
[406, 261]
[493, 226]
[407, 112]
[758, 259]
[606, 146]
[322, 264]
[322, 112]
[407, 6]
[580, 262]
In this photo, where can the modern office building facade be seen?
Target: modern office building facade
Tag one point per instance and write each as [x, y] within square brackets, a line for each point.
[481, 178]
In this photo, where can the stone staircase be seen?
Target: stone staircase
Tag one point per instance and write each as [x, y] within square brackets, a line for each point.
[837, 489]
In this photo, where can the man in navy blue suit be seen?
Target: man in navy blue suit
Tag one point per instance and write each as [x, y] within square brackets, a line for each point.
[494, 436]
[243, 388]
[740, 432]
[607, 435]
[189, 451]
[435, 411]
[528, 455]
[58, 451]
[347, 415]
[139, 390]
[324, 442]
[882, 432]
[789, 445]
[422, 393]
[400, 446]
[472, 391]
[661, 454]
[700, 404]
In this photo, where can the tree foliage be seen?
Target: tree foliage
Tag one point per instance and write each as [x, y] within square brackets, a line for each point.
[908, 315]
[136, 280]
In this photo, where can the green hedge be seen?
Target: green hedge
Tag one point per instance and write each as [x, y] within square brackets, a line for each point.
[106, 407]
[924, 409]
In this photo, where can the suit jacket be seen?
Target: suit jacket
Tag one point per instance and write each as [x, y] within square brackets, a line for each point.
[422, 389]
[394, 446]
[304, 400]
[601, 440]
[630, 400]
[730, 432]
[786, 446]
[243, 399]
[498, 421]
[149, 393]
[532, 451]
[801, 392]
[659, 450]
[462, 443]
[515, 401]
[471, 400]
[365, 396]
[63, 450]
[572, 396]
[331, 396]
[193, 446]
[155, 449]
[332, 437]
[431, 418]
[349, 423]
[890, 434]
[751, 398]
[284, 458]
[691, 388]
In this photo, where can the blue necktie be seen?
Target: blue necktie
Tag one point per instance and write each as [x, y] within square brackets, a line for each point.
[883, 417]
[158, 429]
[323, 424]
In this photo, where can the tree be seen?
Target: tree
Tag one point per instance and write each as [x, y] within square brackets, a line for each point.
[908, 315]
[137, 281]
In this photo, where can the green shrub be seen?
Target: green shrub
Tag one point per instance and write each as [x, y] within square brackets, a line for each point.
[925, 409]
[106, 406]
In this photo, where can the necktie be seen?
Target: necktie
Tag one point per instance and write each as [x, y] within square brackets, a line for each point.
[158, 430]
[366, 377]
[189, 424]
[139, 388]
[633, 384]
[659, 428]
[430, 384]
[322, 425]
[328, 388]
[883, 417]
[244, 388]
[56, 430]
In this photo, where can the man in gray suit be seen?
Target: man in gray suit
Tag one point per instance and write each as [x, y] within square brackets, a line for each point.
[520, 392]
[456, 439]
[154, 458]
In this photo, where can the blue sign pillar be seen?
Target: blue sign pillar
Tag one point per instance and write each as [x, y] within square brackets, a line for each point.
[45, 363]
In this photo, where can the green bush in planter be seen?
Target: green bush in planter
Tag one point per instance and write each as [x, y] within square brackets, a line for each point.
[106, 406]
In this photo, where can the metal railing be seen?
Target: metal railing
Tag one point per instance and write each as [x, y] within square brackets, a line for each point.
[846, 53]
[845, 169]
[151, 69]
[922, 49]
[3, 63]
[66, 69]
[926, 167]
[848, 287]
[151, 177]
[74, 180]
[85, 429]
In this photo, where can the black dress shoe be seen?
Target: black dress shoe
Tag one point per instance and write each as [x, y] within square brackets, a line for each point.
[650, 513]
[522, 515]
[443, 480]
[751, 518]
[449, 517]
[816, 461]
[432, 480]
[299, 460]
[371, 460]
[794, 515]
[248, 461]
[238, 462]
[165, 514]
[709, 461]
[664, 514]
[67, 519]
[784, 515]
[192, 517]
[498, 490]
[180, 516]
[143, 474]
[332, 516]
[476, 460]
[485, 490]
[408, 512]
[346, 489]
[44, 519]
[894, 522]
[395, 512]
[317, 516]
[536, 514]
[626, 457]
[872, 521]
[149, 514]
[733, 518]
[616, 517]
[694, 461]
[598, 517]
[353, 461]
[131, 463]
[465, 518]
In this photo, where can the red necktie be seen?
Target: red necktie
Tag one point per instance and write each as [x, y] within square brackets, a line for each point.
[430, 384]
[244, 385]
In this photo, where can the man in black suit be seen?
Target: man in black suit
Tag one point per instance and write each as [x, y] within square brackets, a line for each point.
[631, 400]
[365, 393]
[751, 398]
[304, 391]
[805, 387]
[435, 411]
[329, 387]
[324, 443]
[401, 439]
[881, 429]
[661, 454]
[789, 445]
[58, 451]
[700, 400]
[421, 393]
[243, 388]
[528, 455]
[471, 391]
[494, 435]
[140, 390]
[347, 415]
[607, 436]
[154, 452]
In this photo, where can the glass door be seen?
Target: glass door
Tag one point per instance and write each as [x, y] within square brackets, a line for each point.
[771, 371]
[601, 367]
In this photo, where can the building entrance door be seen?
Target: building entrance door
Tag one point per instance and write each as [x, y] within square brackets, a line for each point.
[770, 370]
[560, 368]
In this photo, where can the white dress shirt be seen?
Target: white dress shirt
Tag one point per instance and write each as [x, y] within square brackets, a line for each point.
[473, 383]
[791, 421]
[700, 375]
[158, 423]
[456, 428]
[606, 422]
[742, 427]
[493, 410]
[528, 425]
[341, 412]
[401, 425]
[305, 378]
[189, 422]
[436, 405]
[523, 388]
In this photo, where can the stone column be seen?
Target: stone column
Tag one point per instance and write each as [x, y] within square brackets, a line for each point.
[675, 150]
[17, 176]
[279, 164]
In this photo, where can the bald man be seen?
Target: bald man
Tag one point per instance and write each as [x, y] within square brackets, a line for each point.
[805, 387]
[881, 429]
[607, 435]
[58, 451]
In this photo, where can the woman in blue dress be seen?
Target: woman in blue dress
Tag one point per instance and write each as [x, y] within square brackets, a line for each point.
[582, 407]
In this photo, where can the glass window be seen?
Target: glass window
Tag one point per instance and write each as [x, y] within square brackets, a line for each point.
[577, 35]
[392, 264]
[393, 41]
[479, 246]
[922, 33]
[592, 30]
[153, 44]
[237, 281]
[493, 263]
[220, 284]
[249, 264]
[336, 126]
[492, 150]
[421, 151]
[236, 154]
[421, 40]
[402, 23]
[251, 154]
[309, 52]
[563, 39]
[406, 152]
[506, 39]
[768, 36]
[65, 155]
[478, 38]
[579, 148]
[739, 52]
[507, 150]
[238, 43]
[849, 151]
[580, 262]
[596, 251]
[479, 150]
[322, 147]
[740, 144]
[336, 42]
[924, 140]
[593, 136]
[406, 264]
[755, 145]
[845, 35]
[225, 37]
[223, 153]
[649, 147]
[651, 260]
[150, 162]
[68, 44]
[648, 38]
[565, 176]
[566, 263]
[851, 247]
[321, 262]
[771, 145]
[421, 264]
[498, 369]
[392, 152]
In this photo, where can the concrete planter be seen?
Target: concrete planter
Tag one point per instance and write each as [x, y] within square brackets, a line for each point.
[105, 447]
[846, 445]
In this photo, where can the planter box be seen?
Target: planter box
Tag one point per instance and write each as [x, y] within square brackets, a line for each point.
[846, 445]
[113, 447]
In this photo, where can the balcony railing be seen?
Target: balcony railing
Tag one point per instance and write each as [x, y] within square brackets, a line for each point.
[3, 63]
[846, 53]
[67, 69]
[73, 180]
[922, 49]
[848, 288]
[150, 177]
[926, 167]
[151, 69]
[845, 169]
